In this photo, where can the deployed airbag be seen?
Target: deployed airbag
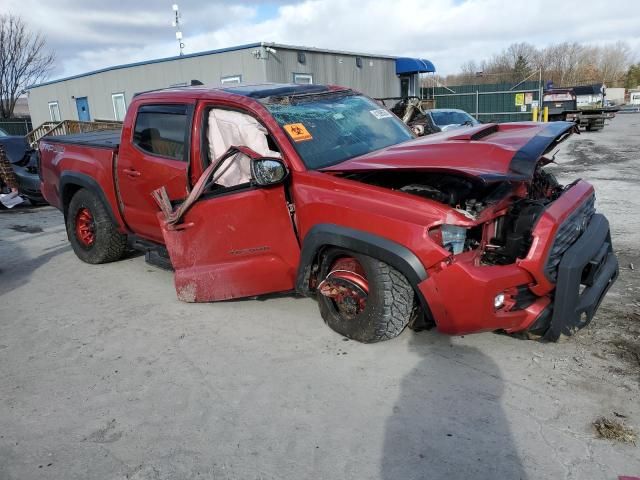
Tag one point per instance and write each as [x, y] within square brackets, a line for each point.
[228, 129]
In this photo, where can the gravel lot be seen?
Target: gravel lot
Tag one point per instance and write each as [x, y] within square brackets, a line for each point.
[104, 374]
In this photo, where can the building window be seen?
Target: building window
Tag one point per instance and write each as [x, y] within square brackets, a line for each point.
[54, 111]
[303, 78]
[161, 130]
[302, 58]
[119, 106]
[231, 80]
[359, 62]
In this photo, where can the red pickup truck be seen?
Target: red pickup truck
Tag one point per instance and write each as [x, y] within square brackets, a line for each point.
[250, 190]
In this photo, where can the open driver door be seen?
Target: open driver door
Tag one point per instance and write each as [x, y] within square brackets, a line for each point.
[232, 242]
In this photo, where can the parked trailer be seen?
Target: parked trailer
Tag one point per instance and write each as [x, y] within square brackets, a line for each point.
[563, 104]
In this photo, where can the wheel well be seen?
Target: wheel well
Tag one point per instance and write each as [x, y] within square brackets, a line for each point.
[72, 182]
[422, 320]
[70, 189]
[324, 236]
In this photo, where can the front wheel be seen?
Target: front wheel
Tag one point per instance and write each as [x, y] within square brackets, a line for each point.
[93, 236]
[363, 298]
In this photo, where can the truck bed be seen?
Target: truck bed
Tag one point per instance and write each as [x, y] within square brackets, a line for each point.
[100, 139]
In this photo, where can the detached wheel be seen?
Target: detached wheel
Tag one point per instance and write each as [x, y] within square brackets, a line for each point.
[93, 236]
[363, 298]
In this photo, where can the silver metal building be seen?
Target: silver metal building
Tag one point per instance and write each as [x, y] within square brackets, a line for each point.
[104, 94]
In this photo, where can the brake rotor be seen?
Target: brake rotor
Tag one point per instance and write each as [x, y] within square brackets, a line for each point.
[347, 286]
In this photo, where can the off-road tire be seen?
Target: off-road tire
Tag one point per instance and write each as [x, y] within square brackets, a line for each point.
[109, 245]
[389, 307]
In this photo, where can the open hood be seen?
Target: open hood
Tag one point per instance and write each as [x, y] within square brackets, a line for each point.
[507, 151]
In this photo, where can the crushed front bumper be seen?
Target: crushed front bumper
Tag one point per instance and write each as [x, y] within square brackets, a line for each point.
[586, 272]
[566, 274]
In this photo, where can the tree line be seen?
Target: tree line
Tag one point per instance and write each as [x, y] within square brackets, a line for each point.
[565, 64]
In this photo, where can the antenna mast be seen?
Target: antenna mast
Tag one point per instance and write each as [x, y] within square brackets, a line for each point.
[176, 24]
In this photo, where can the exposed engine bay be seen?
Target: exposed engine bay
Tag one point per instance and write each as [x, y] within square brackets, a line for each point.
[512, 232]
[457, 191]
[504, 237]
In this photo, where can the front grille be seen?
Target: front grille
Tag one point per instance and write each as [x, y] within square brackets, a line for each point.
[567, 234]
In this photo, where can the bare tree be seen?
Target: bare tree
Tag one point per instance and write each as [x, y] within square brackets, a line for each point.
[565, 64]
[469, 68]
[613, 61]
[23, 61]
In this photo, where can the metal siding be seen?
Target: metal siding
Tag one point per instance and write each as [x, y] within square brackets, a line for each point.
[131, 80]
[377, 80]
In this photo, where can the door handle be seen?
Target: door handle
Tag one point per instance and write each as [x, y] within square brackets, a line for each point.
[131, 172]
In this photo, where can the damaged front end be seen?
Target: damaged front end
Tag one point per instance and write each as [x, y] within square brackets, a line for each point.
[520, 252]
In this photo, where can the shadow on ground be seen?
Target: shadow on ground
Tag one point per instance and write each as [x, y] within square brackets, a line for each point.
[16, 267]
[448, 421]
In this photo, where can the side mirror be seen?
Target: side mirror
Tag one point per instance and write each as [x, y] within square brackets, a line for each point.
[266, 171]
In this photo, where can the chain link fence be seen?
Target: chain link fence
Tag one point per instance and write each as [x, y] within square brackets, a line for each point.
[16, 126]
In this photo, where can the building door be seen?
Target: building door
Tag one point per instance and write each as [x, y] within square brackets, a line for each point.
[82, 104]
[404, 87]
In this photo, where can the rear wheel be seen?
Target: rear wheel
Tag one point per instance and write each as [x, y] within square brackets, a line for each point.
[93, 236]
[363, 298]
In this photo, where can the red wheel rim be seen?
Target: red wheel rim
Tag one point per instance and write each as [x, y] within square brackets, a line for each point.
[85, 227]
[347, 285]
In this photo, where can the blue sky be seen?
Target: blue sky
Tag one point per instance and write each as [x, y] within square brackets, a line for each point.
[92, 34]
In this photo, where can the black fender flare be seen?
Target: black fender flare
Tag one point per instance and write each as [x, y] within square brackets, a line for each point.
[331, 235]
[68, 179]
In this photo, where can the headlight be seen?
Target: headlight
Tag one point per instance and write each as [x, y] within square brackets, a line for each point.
[451, 237]
[498, 301]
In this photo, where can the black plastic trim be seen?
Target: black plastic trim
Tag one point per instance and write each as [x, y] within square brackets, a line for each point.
[171, 108]
[73, 178]
[327, 234]
[592, 254]
[106, 139]
[390, 252]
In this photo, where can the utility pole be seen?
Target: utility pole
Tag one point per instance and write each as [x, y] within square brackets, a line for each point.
[176, 24]
[540, 94]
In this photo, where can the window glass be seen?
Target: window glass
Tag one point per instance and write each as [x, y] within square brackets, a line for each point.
[557, 97]
[232, 80]
[119, 106]
[54, 111]
[303, 78]
[329, 129]
[162, 130]
[451, 118]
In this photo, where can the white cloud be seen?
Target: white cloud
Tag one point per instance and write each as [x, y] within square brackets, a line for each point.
[448, 32]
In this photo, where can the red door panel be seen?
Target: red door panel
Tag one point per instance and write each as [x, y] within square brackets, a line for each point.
[138, 176]
[235, 245]
[154, 153]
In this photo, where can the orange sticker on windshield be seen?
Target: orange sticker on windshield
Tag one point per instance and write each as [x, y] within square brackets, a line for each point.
[298, 132]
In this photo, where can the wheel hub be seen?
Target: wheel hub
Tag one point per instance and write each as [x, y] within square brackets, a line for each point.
[347, 286]
[85, 227]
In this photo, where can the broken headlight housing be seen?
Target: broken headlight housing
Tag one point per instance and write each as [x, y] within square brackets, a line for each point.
[451, 237]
